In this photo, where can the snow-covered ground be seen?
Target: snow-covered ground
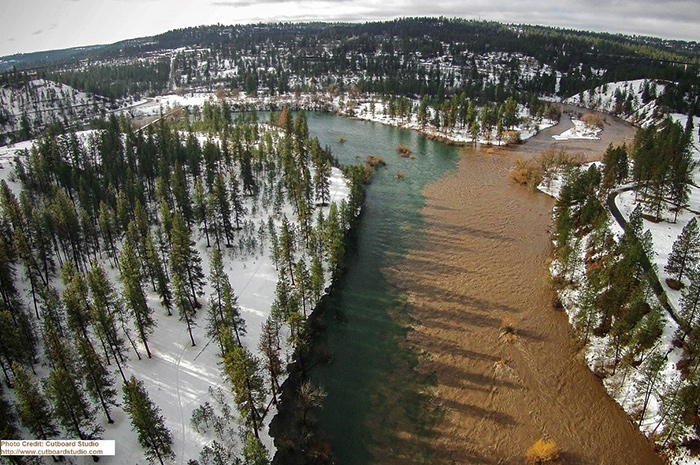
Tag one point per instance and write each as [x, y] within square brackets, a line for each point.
[611, 98]
[342, 105]
[179, 376]
[580, 130]
[44, 102]
[457, 135]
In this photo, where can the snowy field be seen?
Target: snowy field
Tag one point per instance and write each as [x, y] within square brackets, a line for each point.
[179, 376]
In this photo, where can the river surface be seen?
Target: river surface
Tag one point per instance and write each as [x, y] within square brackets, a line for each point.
[419, 371]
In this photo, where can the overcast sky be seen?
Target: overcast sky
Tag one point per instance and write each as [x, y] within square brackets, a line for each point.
[36, 25]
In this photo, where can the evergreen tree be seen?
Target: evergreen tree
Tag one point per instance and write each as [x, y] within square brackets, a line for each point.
[70, 405]
[185, 262]
[223, 309]
[236, 201]
[108, 315]
[98, 381]
[322, 185]
[181, 193]
[131, 277]
[287, 244]
[222, 209]
[8, 427]
[335, 240]
[33, 408]
[254, 452]
[685, 253]
[200, 211]
[270, 347]
[318, 279]
[154, 436]
[184, 304]
[75, 299]
[690, 304]
[157, 272]
[243, 370]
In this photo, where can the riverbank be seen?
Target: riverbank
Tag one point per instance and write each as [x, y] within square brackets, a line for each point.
[507, 370]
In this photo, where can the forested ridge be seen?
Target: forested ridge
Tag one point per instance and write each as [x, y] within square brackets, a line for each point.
[410, 57]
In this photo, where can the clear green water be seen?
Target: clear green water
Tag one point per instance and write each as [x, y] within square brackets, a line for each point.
[373, 393]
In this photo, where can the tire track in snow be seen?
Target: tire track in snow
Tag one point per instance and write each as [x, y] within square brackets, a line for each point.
[179, 403]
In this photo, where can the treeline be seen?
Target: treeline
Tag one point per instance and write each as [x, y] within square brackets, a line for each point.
[139, 202]
[663, 166]
[461, 113]
[618, 300]
[117, 80]
[413, 57]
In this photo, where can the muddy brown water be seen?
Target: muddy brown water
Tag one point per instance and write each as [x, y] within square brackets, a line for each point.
[483, 266]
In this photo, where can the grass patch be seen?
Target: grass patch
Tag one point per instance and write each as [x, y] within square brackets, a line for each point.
[532, 171]
[542, 452]
[404, 150]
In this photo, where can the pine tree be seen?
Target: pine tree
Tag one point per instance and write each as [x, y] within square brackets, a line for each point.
[287, 243]
[223, 309]
[185, 262]
[236, 201]
[181, 193]
[690, 304]
[318, 279]
[75, 299]
[108, 229]
[200, 211]
[8, 427]
[303, 284]
[108, 315]
[270, 347]
[243, 370]
[322, 184]
[154, 436]
[98, 381]
[685, 253]
[70, 405]
[131, 277]
[184, 304]
[334, 240]
[222, 209]
[254, 452]
[33, 408]
[157, 272]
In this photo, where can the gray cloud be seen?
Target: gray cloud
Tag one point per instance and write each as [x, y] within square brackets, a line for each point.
[104, 21]
[673, 19]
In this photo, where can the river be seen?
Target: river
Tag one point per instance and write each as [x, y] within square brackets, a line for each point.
[443, 259]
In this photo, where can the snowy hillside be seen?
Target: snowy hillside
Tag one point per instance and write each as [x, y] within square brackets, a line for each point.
[634, 101]
[32, 106]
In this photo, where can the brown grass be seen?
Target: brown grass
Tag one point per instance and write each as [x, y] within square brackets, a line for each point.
[511, 137]
[404, 150]
[593, 120]
[374, 161]
[531, 172]
[542, 452]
